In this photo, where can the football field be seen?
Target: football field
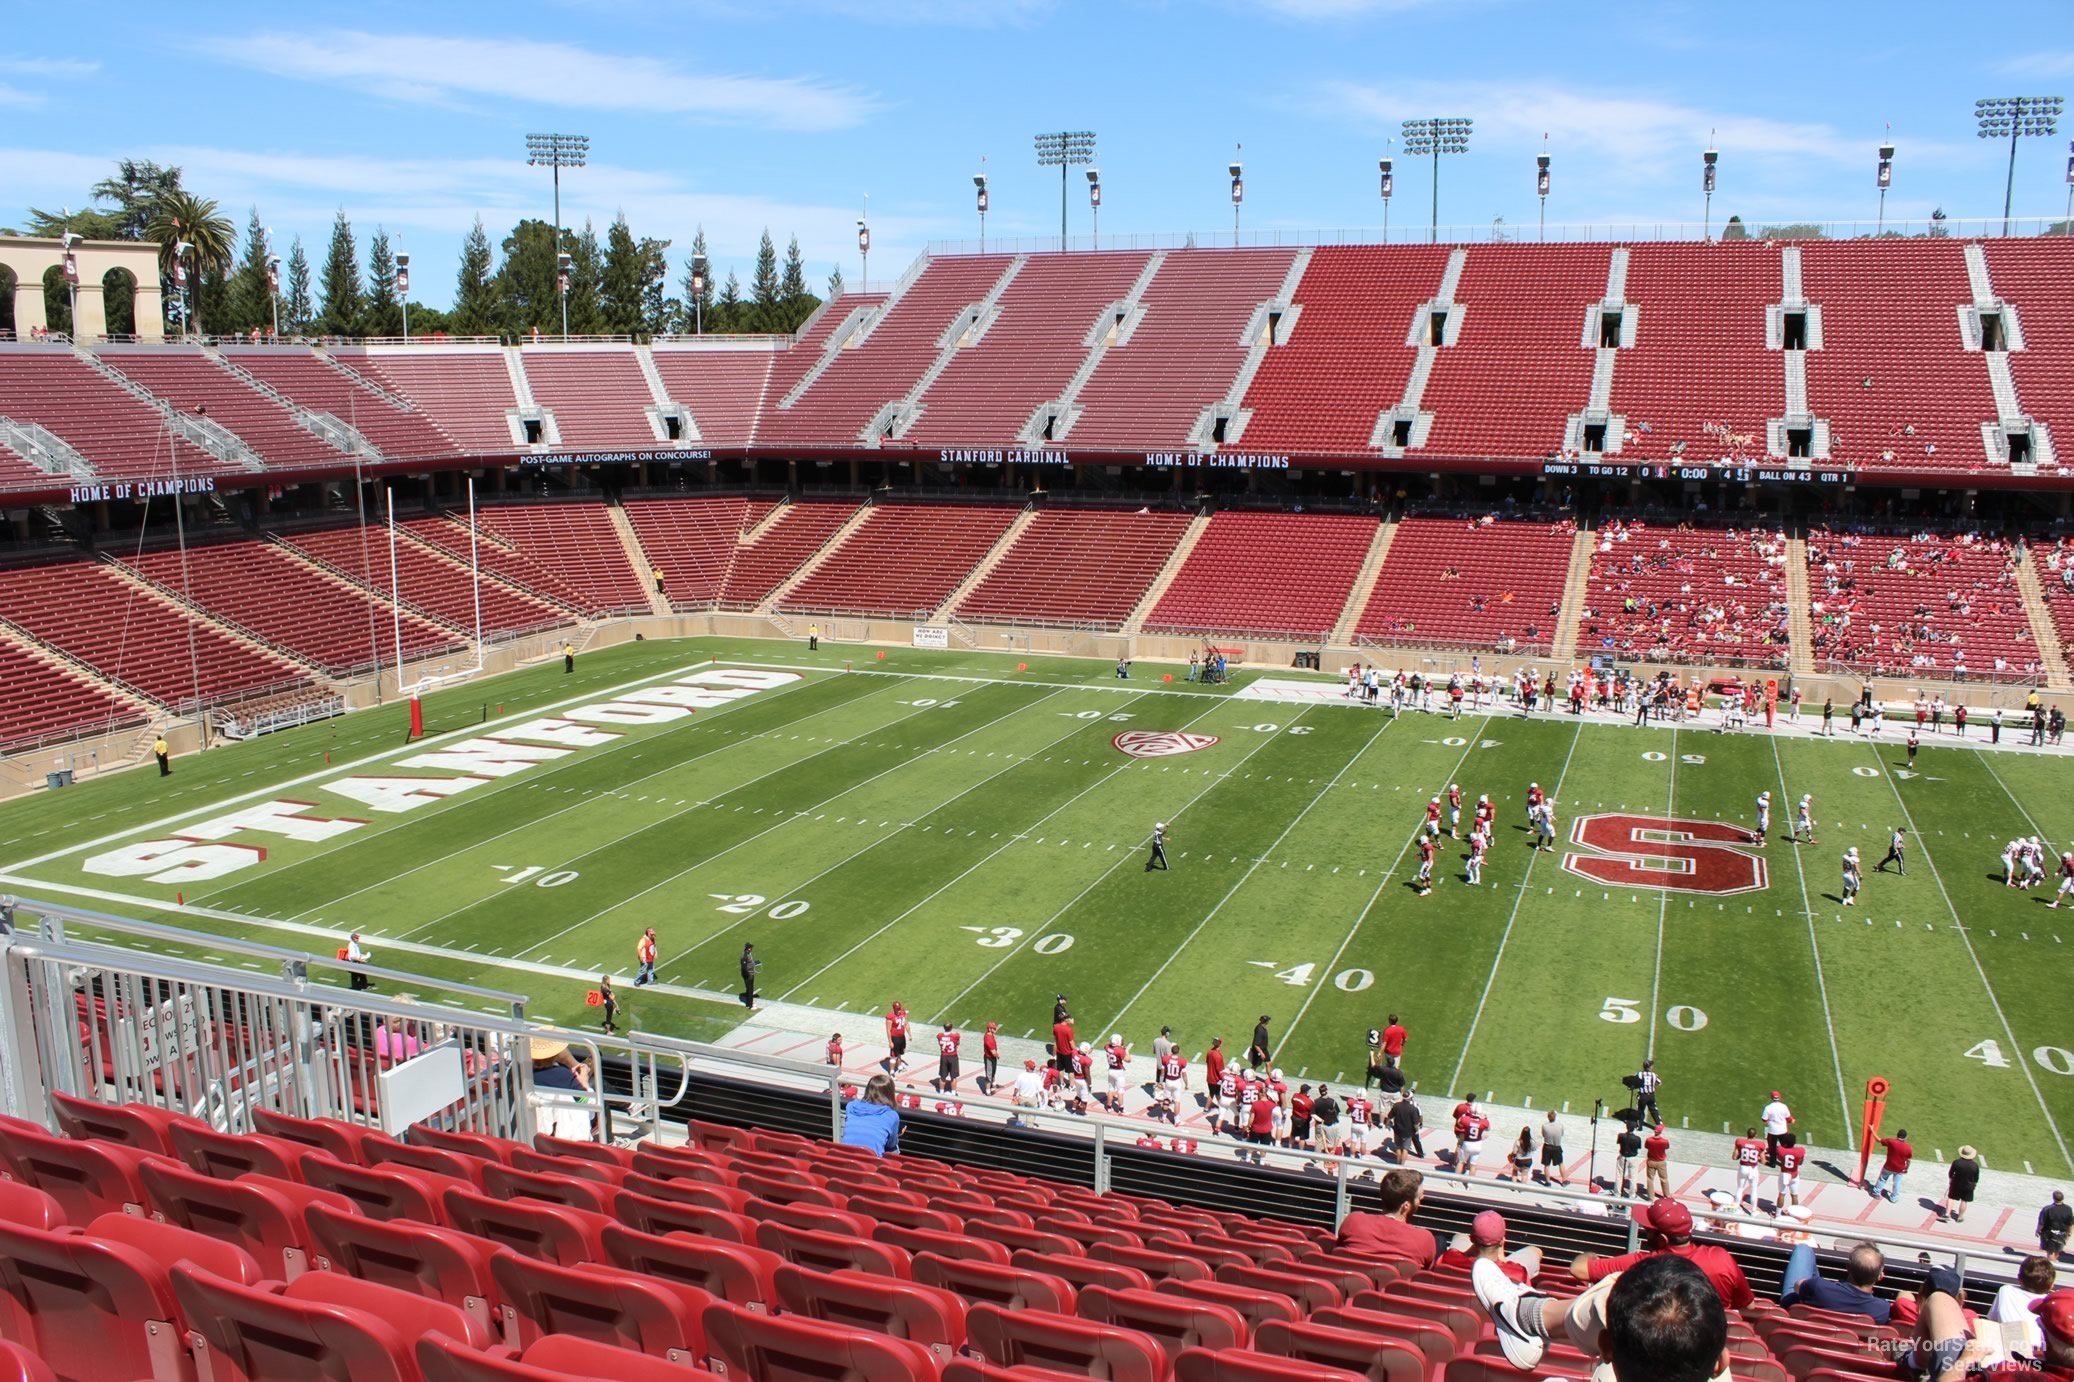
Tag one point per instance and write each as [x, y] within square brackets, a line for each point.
[968, 833]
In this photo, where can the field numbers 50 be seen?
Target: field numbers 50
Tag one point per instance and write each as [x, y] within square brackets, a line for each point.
[1681, 1017]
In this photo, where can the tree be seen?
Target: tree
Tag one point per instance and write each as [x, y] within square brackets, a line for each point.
[57, 301]
[296, 309]
[835, 283]
[119, 300]
[657, 310]
[586, 272]
[764, 288]
[620, 288]
[180, 216]
[250, 303]
[524, 286]
[380, 312]
[702, 295]
[793, 297]
[475, 301]
[728, 309]
[1735, 229]
[340, 284]
[136, 185]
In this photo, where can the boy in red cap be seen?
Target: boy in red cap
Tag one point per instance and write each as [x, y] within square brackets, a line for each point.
[1486, 1239]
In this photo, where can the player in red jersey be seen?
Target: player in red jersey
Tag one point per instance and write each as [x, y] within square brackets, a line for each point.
[1423, 881]
[1749, 1152]
[1454, 810]
[1472, 872]
[1535, 796]
[1791, 1154]
[1118, 1056]
[990, 1060]
[1470, 1130]
[835, 1050]
[2066, 879]
[1360, 1116]
[896, 1038]
[1224, 1116]
[946, 1060]
[1433, 818]
[1173, 1084]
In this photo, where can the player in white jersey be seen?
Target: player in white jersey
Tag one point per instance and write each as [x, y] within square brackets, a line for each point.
[1544, 825]
[1764, 817]
[1804, 820]
[1227, 1095]
[1854, 873]
[2010, 852]
[1473, 871]
[2066, 877]
[2034, 862]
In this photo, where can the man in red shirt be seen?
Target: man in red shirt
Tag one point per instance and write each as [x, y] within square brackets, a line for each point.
[1669, 1224]
[1749, 1152]
[835, 1050]
[990, 1059]
[1899, 1154]
[896, 1038]
[1791, 1154]
[946, 1060]
[1213, 1062]
[1062, 1043]
[1391, 1233]
[1393, 1042]
[1470, 1130]
[1260, 1127]
[1656, 1164]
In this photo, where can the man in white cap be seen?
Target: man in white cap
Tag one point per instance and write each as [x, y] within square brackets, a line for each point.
[1778, 1121]
[1159, 847]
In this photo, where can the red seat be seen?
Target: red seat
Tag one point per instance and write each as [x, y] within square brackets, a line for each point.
[606, 1305]
[510, 1183]
[142, 1126]
[1255, 1307]
[921, 1240]
[683, 1189]
[441, 1263]
[1158, 1266]
[671, 1216]
[456, 1166]
[1380, 1360]
[833, 1252]
[349, 1142]
[992, 1283]
[226, 1156]
[90, 1307]
[1025, 1239]
[169, 1243]
[682, 1167]
[550, 1232]
[885, 1211]
[794, 1348]
[732, 1272]
[322, 1325]
[1240, 1365]
[384, 1192]
[1436, 1341]
[1175, 1321]
[600, 1152]
[1265, 1252]
[266, 1217]
[1464, 1322]
[18, 1364]
[572, 1167]
[475, 1144]
[87, 1179]
[1310, 1292]
[27, 1207]
[927, 1315]
[556, 1358]
[1066, 1343]
[1082, 1272]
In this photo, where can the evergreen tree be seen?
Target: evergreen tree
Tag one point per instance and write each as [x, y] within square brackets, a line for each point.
[524, 286]
[297, 311]
[475, 302]
[835, 283]
[703, 295]
[340, 284]
[766, 314]
[657, 312]
[250, 303]
[380, 314]
[620, 287]
[728, 309]
[793, 297]
[586, 278]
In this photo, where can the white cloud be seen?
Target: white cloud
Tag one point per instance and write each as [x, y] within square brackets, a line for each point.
[426, 69]
[47, 67]
[16, 97]
[950, 14]
[1338, 9]
[2059, 64]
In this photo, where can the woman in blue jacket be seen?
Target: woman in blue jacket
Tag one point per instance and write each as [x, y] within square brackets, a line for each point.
[872, 1122]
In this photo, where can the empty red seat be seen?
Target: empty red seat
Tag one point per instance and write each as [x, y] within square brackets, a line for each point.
[475, 1144]
[384, 1192]
[603, 1153]
[927, 1315]
[18, 1364]
[1082, 1271]
[265, 1216]
[906, 1216]
[607, 1305]
[1157, 1266]
[442, 1263]
[1242, 1365]
[457, 1166]
[833, 1252]
[87, 1179]
[1177, 1322]
[551, 1232]
[1255, 1307]
[1024, 1239]
[1309, 1291]
[1064, 1342]
[169, 1243]
[1431, 1338]
[227, 1156]
[813, 1216]
[322, 1325]
[142, 1126]
[918, 1240]
[556, 1358]
[794, 1348]
[90, 1307]
[510, 1183]
[346, 1141]
[28, 1207]
[672, 1216]
[988, 1282]
[732, 1272]
[1379, 1359]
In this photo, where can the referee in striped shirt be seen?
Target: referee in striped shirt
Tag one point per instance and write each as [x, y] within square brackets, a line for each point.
[1647, 1082]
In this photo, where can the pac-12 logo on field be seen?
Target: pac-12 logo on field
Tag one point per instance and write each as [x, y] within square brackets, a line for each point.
[1664, 852]
[1160, 743]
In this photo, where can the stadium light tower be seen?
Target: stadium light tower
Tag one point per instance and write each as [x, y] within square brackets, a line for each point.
[1886, 180]
[864, 244]
[273, 289]
[2013, 118]
[979, 183]
[562, 263]
[1383, 166]
[71, 265]
[1094, 203]
[1709, 157]
[1238, 195]
[1437, 135]
[180, 251]
[1066, 149]
[556, 152]
[2068, 225]
[698, 294]
[1541, 184]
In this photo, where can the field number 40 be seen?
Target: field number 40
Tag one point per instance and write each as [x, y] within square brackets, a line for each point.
[2055, 1059]
[1625, 1010]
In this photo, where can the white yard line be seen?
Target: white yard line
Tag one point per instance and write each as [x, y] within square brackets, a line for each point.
[1923, 844]
[1251, 869]
[1454, 774]
[1807, 908]
[1663, 908]
[1491, 979]
[1038, 933]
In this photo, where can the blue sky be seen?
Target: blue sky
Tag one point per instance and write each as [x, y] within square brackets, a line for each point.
[744, 113]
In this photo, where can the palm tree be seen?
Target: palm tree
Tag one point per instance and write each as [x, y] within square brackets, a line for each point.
[181, 215]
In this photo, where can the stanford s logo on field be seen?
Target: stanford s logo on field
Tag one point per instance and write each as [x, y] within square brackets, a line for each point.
[1672, 854]
[1160, 743]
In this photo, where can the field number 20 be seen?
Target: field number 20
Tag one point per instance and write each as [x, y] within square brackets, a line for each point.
[2057, 1060]
[742, 904]
[1682, 1017]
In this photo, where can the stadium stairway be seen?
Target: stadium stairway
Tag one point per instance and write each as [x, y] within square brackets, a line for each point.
[1155, 592]
[836, 539]
[987, 563]
[1575, 587]
[1799, 611]
[2045, 636]
[1364, 584]
[643, 568]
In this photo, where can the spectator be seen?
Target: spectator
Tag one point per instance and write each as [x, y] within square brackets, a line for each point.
[2055, 1221]
[871, 1121]
[1029, 1086]
[1669, 1225]
[1656, 1165]
[1659, 1322]
[1391, 1233]
[1523, 1156]
[1486, 1239]
[555, 1068]
[1405, 1120]
[1899, 1154]
[1803, 1284]
[2014, 1306]
[1961, 1179]
[1626, 1148]
[1552, 1150]
[1776, 1117]
[1941, 1347]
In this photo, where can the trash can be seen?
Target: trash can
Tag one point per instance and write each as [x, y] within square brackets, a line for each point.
[61, 778]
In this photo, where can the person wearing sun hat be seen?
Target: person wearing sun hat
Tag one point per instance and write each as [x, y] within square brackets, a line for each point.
[554, 1067]
[1961, 1179]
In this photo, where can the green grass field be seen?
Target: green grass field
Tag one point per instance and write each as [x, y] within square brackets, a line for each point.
[949, 830]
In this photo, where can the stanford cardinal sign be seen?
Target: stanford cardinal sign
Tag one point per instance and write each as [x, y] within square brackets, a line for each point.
[1160, 743]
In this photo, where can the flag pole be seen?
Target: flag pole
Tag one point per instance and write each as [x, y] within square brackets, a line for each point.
[395, 589]
[475, 574]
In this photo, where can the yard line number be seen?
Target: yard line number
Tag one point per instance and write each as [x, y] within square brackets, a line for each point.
[1681, 1017]
[2054, 1060]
